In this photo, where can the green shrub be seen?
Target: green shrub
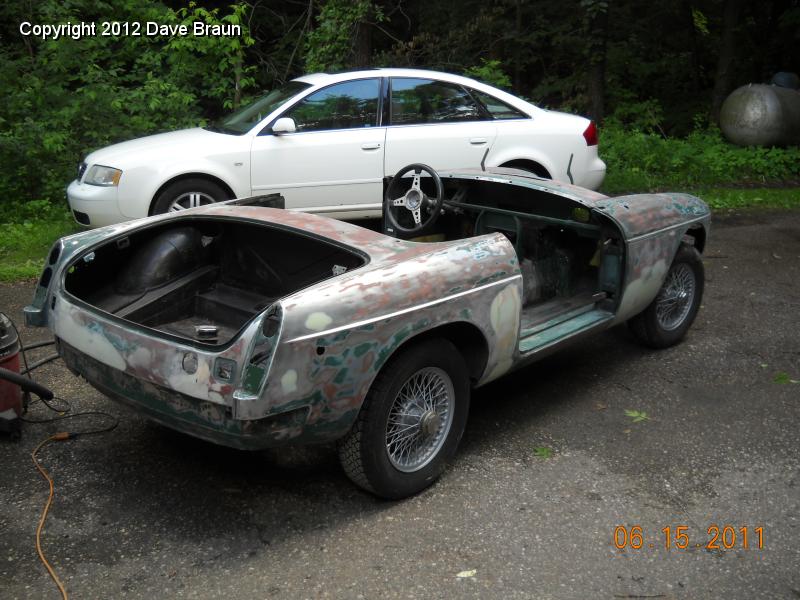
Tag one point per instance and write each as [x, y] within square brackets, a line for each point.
[638, 161]
[63, 98]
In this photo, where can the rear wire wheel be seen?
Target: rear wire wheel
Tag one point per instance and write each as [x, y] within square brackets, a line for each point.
[411, 422]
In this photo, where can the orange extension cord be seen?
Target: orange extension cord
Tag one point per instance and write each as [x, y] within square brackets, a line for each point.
[58, 437]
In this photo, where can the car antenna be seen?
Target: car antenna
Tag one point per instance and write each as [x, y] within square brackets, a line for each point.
[483, 160]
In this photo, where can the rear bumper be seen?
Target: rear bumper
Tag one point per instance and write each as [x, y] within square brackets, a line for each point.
[206, 420]
[594, 174]
[99, 203]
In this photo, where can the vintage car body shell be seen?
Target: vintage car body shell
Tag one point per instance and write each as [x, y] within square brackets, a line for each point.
[334, 337]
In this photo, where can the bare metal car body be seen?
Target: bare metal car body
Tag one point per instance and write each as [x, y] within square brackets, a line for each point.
[307, 310]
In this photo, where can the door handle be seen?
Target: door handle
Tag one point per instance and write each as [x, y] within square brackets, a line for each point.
[371, 146]
[477, 141]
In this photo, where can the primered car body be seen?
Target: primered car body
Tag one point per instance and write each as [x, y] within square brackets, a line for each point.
[340, 135]
[256, 327]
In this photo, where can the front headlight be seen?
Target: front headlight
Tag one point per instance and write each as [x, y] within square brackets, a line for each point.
[105, 176]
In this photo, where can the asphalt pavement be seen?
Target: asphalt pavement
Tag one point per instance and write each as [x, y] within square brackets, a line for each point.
[550, 467]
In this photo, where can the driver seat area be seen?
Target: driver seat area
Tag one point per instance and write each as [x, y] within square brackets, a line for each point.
[509, 225]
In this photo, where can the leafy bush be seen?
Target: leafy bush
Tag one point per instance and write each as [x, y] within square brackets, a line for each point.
[29, 231]
[63, 98]
[639, 161]
[491, 72]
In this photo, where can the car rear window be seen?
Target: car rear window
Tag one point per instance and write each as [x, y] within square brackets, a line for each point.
[497, 108]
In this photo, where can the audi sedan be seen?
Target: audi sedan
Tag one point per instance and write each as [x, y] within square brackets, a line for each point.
[327, 142]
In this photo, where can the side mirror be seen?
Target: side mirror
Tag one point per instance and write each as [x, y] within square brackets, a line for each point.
[284, 125]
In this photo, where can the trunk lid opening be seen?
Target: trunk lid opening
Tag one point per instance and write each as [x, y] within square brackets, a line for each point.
[202, 279]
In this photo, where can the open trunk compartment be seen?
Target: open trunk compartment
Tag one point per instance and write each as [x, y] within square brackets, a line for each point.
[202, 279]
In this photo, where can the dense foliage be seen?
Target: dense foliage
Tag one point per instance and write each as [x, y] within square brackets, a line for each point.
[649, 70]
[642, 161]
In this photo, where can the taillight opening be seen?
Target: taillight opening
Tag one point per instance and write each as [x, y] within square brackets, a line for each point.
[590, 134]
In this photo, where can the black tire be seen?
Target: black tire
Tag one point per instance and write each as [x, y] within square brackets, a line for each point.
[365, 451]
[207, 192]
[651, 327]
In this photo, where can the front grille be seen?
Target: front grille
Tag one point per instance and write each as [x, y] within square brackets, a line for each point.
[81, 170]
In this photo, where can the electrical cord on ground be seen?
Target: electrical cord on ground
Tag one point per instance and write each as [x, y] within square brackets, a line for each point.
[65, 407]
[61, 436]
[80, 414]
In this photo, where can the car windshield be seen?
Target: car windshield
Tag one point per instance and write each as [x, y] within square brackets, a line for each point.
[242, 120]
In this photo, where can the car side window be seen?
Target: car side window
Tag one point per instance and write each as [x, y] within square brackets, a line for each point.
[342, 106]
[497, 108]
[416, 101]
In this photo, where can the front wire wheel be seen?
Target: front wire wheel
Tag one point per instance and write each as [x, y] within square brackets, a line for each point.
[666, 320]
[674, 300]
[410, 423]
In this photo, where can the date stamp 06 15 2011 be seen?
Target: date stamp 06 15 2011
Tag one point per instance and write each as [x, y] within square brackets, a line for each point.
[82, 29]
[717, 538]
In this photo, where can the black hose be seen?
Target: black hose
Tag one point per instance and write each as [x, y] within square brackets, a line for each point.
[39, 363]
[26, 384]
[38, 345]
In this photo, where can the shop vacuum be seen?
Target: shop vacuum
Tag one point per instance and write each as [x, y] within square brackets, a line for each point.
[14, 387]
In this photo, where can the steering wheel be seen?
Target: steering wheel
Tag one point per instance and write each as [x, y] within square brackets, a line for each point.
[414, 199]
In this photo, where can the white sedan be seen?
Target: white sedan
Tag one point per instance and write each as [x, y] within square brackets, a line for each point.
[327, 143]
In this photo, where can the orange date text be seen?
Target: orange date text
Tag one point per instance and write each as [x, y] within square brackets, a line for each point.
[679, 537]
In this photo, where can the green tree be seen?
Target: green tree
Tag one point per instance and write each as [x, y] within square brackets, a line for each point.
[341, 37]
[65, 97]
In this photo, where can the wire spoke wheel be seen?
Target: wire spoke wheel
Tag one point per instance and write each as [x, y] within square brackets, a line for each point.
[675, 299]
[411, 421]
[191, 200]
[665, 321]
[420, 419]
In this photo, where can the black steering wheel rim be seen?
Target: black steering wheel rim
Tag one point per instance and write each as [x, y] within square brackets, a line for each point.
[414, 199]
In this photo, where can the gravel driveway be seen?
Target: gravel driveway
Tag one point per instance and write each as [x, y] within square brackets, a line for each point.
[144, 512]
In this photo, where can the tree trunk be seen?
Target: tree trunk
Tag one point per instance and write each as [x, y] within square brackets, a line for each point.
[517, 48]
[598, 33]
[694, 69]
[727, 54]
[363, 45]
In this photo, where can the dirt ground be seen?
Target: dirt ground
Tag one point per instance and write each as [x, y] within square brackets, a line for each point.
[144, 512]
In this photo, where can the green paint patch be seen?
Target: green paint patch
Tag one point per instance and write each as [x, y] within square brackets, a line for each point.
[362, 349]
[253, 378]
[337, 361]
[542, 452]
